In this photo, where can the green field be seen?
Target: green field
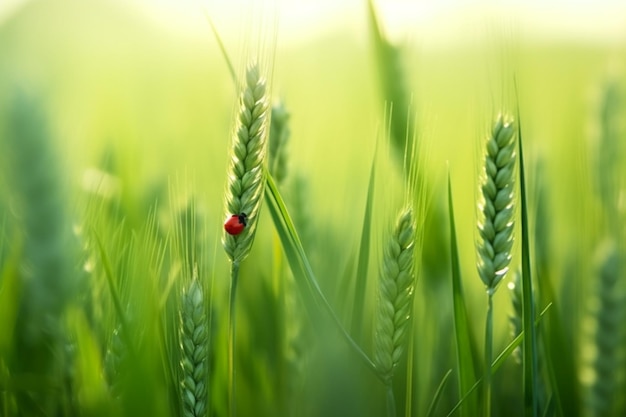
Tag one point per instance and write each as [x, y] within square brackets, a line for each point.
[115, 143]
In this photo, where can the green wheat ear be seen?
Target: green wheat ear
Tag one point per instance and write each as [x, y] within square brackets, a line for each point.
[395, 294]
[496, 225]
[245, 176]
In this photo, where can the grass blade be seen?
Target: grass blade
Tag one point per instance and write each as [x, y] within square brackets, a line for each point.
[465, 358]
[356, 327]
[529, 348]
[300, 266]
[393, 84]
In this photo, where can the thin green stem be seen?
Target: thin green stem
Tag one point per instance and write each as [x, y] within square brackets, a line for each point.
[488, 352]
[391, 400]
[234, 276]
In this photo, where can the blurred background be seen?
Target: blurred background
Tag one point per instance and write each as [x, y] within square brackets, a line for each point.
[138, 101]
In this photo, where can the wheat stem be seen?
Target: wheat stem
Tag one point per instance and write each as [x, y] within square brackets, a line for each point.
[488, 353]
[232, 372]
[391, 401]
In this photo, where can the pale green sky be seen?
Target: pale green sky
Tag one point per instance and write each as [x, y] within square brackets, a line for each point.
[435, 20]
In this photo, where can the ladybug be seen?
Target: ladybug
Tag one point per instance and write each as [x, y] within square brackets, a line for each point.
[236, 223]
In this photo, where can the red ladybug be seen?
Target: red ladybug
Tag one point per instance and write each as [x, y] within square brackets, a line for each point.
[235, 223]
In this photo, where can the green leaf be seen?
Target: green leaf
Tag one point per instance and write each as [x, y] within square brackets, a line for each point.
[529, 348]
[362, 266]
[465, 359]
[394, 86]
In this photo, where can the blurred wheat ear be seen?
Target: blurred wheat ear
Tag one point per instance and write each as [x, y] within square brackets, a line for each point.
[194, 346]
[394, 85]
[604, 368]
[395, 294]
[279, 137]
[48, 280]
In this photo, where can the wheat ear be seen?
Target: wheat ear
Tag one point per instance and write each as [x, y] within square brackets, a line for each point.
[496, 226]
[395, 294]
[245, 177]
[194, 347]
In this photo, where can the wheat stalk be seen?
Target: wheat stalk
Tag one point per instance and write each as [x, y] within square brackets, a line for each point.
[515, 318]
[245, 177]
[246, 184]
[194, 347]
[395, 294]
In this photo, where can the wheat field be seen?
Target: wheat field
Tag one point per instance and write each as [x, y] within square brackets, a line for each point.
[414, 226]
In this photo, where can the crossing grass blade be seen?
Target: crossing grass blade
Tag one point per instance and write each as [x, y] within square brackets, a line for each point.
[464, 344]
[356, 327]
[300, 266]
